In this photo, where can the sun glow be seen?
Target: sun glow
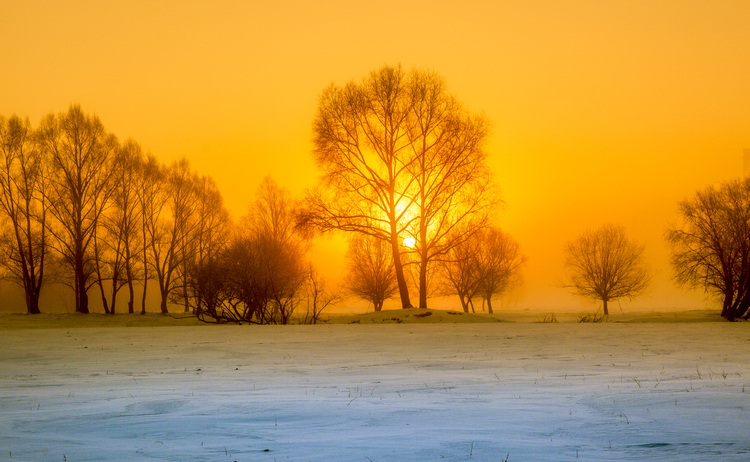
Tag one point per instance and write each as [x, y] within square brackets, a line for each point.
[410, 242]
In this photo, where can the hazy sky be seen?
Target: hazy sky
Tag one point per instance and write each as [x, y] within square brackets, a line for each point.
[602, 111]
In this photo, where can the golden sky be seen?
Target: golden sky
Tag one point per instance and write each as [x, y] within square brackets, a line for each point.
[601, 111]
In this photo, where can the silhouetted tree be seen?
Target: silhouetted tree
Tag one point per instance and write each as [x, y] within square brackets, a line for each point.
[281, 248]
[452, 188]
[80, 151]
[23, 185]
[460, 270]
[209, 238]
[318, 297]
[371, 275]
[499, 260]
[117, 242]
[605, 265]
[711, 245]
[151, 200]
[362, 145]
[171, 227]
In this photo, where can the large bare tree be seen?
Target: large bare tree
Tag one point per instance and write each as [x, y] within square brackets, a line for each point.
[711, 245]
[151, 201]
[452, 187]
[121, 237]
[399, 156]
[171, 224]
[23, 183]
[603, 264]
[362, 145]
[80, 151]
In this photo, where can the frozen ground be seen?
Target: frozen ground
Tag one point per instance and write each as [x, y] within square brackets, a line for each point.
[396, 392]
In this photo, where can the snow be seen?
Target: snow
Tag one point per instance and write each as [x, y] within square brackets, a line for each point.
[393, 392]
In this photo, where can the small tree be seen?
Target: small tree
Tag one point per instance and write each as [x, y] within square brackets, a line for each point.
[499, 260]
[319, 297]
[604, 265]
[371, 274]
[460, 271]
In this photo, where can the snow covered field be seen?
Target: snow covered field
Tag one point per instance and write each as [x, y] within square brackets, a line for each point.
[396, 392]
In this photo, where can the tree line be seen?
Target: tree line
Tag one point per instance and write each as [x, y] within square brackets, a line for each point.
[404, 175]
[102, 216]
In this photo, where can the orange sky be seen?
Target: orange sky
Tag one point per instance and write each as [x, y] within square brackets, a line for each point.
[602, 111]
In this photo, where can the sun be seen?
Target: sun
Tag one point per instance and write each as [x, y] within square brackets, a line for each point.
[410, 242]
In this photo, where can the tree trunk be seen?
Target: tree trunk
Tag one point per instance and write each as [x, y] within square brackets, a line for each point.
[489, 305]
[82, 298]
[143, 299]
[402, 289]
[32, 303]
[104, 297]
[464, 303]
[423, 281]
[606, 313]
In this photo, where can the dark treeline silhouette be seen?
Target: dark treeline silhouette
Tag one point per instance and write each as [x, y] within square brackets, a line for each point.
[404, 174]
[82, 208]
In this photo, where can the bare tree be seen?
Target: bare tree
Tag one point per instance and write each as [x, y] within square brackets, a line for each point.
[499, 261]
[150, 182]
[362, 146]
[281, 267]
[452, 187]
[371, 275]
[170, 226]
[605, 265]
[116, 250]
[210, 236]
[460, 270]
[711, 245]
[80, 151]
[23, 183]
[319, 296]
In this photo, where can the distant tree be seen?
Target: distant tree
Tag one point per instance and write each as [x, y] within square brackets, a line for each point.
[461, 272]
[605, 265]
[266, 259]
[711, 245]
[499, 260]
[23, 185]
[370, 271]
[318, 297]
[80, 151]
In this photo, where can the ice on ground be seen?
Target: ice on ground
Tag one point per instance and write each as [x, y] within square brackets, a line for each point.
[398, 392]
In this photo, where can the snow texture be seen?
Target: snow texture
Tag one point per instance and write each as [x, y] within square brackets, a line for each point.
[397, 392]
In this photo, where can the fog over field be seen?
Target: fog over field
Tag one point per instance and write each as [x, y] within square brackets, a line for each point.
[441, 391]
